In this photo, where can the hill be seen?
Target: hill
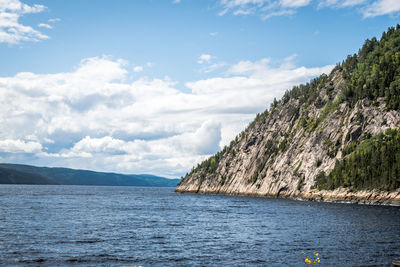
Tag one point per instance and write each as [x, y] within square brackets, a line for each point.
[26, 174]
[335, 138]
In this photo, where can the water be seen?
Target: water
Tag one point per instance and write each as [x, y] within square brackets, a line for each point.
[125, 226]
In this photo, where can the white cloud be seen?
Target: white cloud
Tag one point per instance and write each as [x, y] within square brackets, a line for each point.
[19, 146]
[295, 3]
[213, 33]
[66, 154]
[278, 13]
[18, 7]
[382, 7]
[204, 58]
[44, 25]
[266, 9]
[340, 3]
[367, 7]
[213, 67]
[100, 145]
[176, 1]
[94, 118]
[137, 68]
[207, 65]
[11, 30]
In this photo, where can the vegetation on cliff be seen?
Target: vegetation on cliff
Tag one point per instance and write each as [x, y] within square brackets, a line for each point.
[373, 163]
[368, 80]
[375, 71]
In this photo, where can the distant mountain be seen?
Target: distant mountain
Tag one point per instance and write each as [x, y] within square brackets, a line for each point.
[336, 138]
[26, 174]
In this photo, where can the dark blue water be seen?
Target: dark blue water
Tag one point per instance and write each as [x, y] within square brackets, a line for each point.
[124, 226]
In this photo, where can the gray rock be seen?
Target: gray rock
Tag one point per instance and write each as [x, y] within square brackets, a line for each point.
[263, 165]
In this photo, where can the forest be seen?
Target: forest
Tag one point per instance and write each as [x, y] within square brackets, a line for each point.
[373, 163]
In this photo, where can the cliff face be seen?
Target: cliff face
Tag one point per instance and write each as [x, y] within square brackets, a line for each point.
[277, 156]
[282, 152]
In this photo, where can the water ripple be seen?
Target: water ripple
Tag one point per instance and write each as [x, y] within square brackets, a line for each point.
[131, 226]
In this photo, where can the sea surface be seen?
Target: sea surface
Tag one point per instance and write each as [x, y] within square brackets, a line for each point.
[133, 226]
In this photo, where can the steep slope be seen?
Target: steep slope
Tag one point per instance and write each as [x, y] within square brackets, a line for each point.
[26, 174]
[296, 148]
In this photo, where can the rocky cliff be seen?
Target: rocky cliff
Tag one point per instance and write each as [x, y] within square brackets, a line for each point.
[305, 134]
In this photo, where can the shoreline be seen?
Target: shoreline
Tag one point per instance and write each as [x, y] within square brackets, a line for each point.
[373, 197]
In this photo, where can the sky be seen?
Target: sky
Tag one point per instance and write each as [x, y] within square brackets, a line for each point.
[158, 86]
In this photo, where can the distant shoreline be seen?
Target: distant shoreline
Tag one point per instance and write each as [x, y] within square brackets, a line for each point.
[27, 174]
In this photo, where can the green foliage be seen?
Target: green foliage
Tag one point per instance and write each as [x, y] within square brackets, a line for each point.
[260, 118]
[211, 164]
[284, 144]
[306, 93]
[373, 163]
[332, 148]
[322, 182]
[375, 71]
[274, 104]
[270, 148]
[312, 124]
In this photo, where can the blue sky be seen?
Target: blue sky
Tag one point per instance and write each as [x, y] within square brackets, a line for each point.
[157, 86]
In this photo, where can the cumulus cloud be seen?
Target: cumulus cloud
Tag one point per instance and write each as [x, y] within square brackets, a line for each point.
[94, 117]
[11, 30]
[106, 144]
[19, 146]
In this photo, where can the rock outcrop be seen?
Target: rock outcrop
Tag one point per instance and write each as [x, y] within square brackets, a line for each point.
[283, 150]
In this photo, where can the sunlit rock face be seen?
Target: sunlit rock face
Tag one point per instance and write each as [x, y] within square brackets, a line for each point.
[282, 152]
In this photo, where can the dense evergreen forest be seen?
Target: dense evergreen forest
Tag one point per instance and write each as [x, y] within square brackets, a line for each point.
[375, 71]
[373, 163]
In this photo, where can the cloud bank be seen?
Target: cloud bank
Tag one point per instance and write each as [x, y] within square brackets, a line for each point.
[95, 117]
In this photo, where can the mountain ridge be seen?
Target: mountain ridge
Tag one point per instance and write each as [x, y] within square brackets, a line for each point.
[295, 148]
[27, 174]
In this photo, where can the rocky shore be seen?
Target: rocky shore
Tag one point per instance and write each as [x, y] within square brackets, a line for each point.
[340, 195]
